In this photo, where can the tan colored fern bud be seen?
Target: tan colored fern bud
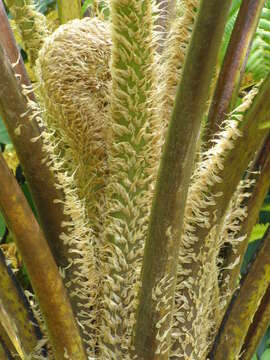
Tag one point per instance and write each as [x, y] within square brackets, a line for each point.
[73, 70]
[73, 81]
[197, 298]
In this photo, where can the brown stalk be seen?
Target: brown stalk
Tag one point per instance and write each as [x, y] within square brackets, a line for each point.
[244, 305]
[163, 241]
[233, 65]
[42, 269]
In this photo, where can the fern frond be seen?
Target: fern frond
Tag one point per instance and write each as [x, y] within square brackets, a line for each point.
[172, 60]
[133, 152]
[259, 59]
[74, 105]
[258, 231]
[197, 296]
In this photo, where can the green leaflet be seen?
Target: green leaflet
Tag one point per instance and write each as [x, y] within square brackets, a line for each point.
[259, 59]
[258, 231]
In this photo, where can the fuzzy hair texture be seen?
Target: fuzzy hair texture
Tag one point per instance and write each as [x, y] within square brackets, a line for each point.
[198, 303]
[77, 103]
[32, 27]
[173, 57]
[73, 81]
[133, 155]
[43, 349]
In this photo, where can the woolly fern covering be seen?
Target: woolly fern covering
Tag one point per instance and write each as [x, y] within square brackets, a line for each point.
[132, 159]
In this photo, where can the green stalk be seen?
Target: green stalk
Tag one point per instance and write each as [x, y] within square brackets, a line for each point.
[244, 305]
[68, 10]
[15, 313]
[257, 328]
[23, 128]
[253, 205]
[31, 25]
[233, 65]
[133, 155]
[152, 331]
[43, 272]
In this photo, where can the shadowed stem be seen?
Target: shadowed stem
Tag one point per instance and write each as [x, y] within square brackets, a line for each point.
[162, 244]
[257, 329]
[43, 272]
[233, 65]
[244, 305]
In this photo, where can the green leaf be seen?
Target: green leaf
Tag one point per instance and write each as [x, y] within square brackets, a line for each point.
[266, 355]
[4, 138]
[266, 207]
[258, 231]
[259, 58]
[86, 5]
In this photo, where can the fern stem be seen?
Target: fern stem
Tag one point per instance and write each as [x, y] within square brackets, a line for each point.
[43, 272]
[162, 244]
[69, 10]
[23, 128]
[244, 305]
[15, 313]
[233, 65]
[132, 160]
[257, 328]
[253, 205]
